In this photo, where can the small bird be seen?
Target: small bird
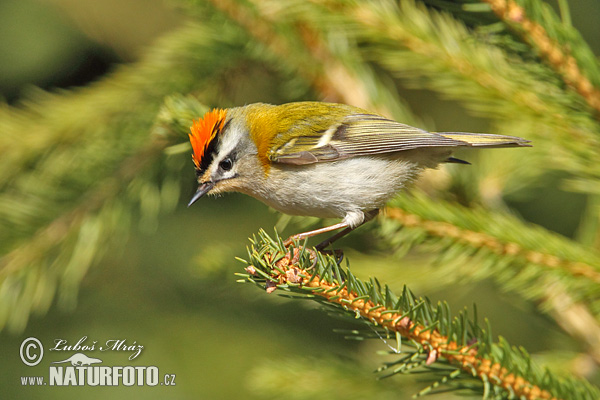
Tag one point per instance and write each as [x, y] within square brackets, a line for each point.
[319, 159]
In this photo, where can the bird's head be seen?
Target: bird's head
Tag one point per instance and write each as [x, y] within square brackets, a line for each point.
[230, 147]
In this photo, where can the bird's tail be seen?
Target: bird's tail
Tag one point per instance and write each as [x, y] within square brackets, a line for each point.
[486, 139]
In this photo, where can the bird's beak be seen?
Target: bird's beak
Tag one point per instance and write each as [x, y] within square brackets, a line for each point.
[202, 190]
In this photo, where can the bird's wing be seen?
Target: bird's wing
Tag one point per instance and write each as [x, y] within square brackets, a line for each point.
[357, 134]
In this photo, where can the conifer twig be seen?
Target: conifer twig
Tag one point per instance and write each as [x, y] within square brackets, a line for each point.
[439, 345]
[331, 79]
[262, 30]
[558, 57]
[483, 240]
[438, 337]
[565, 277]
[351, 89]
[55, 232]
[286, 270]
[575, 318]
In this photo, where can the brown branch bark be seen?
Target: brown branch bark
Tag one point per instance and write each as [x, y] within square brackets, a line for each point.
[287, 271]
[482, 240]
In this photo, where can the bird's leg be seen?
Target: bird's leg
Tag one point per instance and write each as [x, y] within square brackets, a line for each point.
[301, 236]
[306, 235]
[335, 237]
[368, 216]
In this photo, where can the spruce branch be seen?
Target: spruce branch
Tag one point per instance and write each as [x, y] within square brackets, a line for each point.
[437, 337]
[35, 294]
[557, 55]
[78, 164]
[302, 48]
[264, 32]
[560, 274]
[482, 240]
[53, 234]
[434, 50]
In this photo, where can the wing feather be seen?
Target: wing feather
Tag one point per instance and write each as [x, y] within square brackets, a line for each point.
[357, 135]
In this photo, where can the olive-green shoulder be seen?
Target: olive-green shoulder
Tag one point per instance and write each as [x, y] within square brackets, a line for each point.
[275, 127]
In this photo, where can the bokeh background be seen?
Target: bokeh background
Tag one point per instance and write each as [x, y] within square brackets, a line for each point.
[172, 287]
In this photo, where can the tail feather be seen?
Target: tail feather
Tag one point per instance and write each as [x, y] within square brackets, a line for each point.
[487, 139]
[455, 160]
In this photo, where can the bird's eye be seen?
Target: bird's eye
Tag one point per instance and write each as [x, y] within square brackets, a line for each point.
[226, 164]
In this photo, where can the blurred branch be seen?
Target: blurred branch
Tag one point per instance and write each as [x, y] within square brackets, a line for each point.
[561, 274]
[53, 234]
[302, 49]
[36, 294]
[433, 50]
[264, 31]
[436, 335]
[574, 317]
[78, 164]
[559, 57]
[482, 240]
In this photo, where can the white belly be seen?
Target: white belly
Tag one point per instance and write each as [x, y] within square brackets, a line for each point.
[334, 189]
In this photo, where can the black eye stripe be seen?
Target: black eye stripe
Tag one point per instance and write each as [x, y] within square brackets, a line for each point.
[208, 155]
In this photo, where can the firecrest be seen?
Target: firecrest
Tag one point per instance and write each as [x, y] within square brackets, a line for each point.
[319, 159]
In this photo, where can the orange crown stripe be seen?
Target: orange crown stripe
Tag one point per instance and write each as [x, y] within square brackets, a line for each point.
[204, 131]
